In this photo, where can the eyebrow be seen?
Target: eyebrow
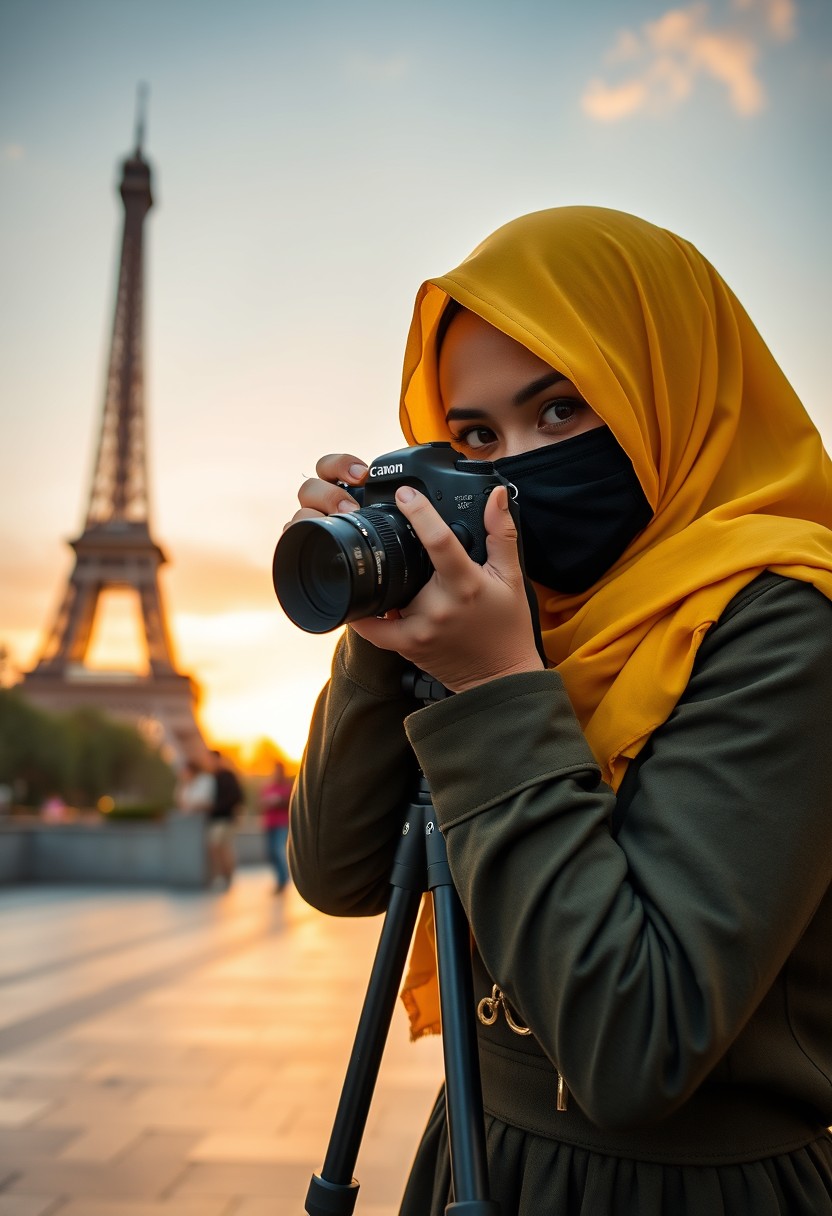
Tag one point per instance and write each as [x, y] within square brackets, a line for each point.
[463, 414]
[536, 386]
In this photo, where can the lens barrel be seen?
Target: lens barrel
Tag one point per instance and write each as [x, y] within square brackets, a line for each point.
[343, 567]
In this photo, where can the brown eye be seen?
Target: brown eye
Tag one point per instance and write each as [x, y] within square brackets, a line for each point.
[563, 410]
[476, 437]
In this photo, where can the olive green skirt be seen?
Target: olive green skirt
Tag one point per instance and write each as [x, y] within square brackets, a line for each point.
[721, 1155]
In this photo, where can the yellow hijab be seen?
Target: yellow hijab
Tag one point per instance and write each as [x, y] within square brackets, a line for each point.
[734, 469]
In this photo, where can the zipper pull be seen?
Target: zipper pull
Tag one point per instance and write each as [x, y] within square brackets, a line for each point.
[563, 1093]
[487, 1012]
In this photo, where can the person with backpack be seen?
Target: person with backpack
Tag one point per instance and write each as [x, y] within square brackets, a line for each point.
[228, 800]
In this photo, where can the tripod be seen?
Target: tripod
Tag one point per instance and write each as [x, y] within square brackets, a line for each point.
[420, 865]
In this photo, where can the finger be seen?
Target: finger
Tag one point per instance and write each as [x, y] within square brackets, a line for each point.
[324, 498]
[340, 466]
[442, 547]
[385, 634]
[501, 538]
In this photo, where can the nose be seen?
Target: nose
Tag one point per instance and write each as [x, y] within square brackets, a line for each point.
[524, 441]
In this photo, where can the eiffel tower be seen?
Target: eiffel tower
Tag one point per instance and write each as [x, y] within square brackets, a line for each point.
[115, 549]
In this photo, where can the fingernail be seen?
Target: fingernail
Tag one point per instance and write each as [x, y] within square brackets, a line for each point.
[358, 470]
[347, 505]
[405, 494]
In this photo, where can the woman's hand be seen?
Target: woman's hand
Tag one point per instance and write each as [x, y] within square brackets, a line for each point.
[469, 623]
[321, 496]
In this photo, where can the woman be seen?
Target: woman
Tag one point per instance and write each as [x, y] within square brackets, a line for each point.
[196, 789]
[274, 805]
[641, 834]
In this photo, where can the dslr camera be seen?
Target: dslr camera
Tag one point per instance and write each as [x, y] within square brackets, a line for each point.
[343, 567]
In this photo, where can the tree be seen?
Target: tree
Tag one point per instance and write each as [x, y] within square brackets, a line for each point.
[81, 756]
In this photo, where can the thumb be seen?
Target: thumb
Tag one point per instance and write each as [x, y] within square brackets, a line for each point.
[501, 541]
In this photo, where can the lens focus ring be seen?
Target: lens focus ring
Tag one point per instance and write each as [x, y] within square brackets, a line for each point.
[395, 577]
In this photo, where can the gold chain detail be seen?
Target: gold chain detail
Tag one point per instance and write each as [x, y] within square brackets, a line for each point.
[490, 1006]
[488, 1010]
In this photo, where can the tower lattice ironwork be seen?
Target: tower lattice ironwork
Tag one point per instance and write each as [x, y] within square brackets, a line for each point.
[116, 549]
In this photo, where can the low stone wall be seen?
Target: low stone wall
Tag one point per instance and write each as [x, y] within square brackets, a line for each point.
[169, 852]
[249, 842]
[15, 853]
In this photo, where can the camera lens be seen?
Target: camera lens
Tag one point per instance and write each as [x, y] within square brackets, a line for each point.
[343, 567]
[324, 575]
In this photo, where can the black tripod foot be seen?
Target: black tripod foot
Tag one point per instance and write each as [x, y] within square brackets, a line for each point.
[333, 1198]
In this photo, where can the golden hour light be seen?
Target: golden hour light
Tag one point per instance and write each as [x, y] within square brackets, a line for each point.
[552, 282]
[260, 675]
[117, 641]
[180, 388]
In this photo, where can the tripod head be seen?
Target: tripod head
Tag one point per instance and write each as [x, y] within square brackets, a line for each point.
[423, 685]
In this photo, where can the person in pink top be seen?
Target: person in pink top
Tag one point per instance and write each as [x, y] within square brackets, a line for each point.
[274, 805]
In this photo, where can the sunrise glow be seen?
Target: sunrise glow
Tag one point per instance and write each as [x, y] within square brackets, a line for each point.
[296, 211]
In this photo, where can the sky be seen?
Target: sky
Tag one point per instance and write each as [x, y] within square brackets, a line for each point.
[313, 164]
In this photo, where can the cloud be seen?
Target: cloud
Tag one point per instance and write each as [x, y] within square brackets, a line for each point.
[664, 60]
[13, 152]
[608, 104]
[779, 17]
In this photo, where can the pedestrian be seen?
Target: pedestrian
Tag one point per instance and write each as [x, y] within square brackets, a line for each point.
[640, 828]
[274, 804]
[228, 800]
[196, 788]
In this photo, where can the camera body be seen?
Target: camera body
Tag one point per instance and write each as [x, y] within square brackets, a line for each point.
[457, 488]
[340, 568]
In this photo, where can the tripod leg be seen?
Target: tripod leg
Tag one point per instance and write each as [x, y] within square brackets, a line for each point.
[421, 864]
[334, 1191]
[463, 1088]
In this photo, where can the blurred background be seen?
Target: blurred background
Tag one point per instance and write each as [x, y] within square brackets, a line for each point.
[313, 164]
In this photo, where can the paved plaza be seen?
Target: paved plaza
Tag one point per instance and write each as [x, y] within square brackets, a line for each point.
[171, 1054]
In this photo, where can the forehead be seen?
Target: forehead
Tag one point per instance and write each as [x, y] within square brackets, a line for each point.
[475, 355]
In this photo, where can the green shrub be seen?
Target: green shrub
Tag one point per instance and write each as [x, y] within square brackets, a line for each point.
[135, 812]
[80, 756]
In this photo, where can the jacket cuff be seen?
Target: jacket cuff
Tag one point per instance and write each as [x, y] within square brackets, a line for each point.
[481, 747]
[378, 672]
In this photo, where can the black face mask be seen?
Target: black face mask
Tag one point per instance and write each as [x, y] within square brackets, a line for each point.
[580, 504]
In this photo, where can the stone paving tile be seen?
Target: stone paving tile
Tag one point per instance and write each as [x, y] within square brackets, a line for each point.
[285, 1186]
[103, 1142]
[86, 1205]
[58, 1057]
[156, 1064]
[28, 1147]
[144, 1172]
[91, 1107]
[21, 1085]
[29, 1205]
[15, 1112]
[207, 1089]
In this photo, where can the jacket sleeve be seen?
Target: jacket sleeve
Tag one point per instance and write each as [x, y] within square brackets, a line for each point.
[357, 774]
[637, 959]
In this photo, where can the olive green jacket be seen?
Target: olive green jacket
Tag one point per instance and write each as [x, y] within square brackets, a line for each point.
[678, 933]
